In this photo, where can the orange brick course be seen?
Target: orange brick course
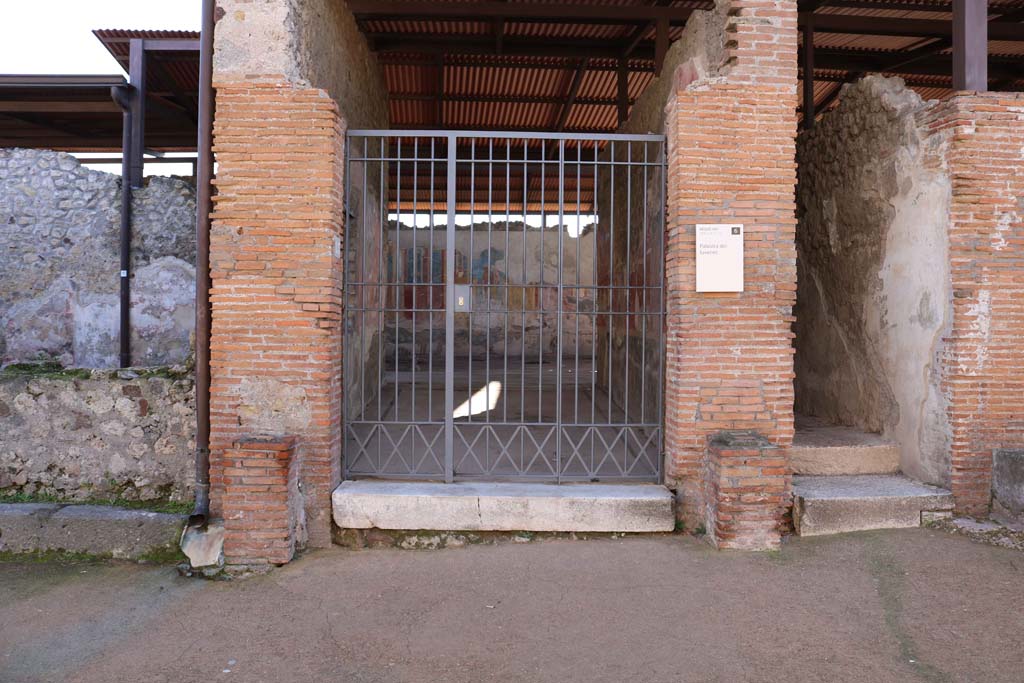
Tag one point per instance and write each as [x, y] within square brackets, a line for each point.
[276, 240]
[746, 483]
[260, 502]
[983, 361]
[731, 147]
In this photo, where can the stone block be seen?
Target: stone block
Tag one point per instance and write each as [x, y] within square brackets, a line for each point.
[472, 506]
[1008, 481]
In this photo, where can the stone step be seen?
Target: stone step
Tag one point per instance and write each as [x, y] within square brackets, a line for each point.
[821, 449]
[90, 529]
[493, 506]
[833, 505]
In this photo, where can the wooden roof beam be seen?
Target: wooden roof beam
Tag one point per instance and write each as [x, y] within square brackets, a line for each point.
[905, 28]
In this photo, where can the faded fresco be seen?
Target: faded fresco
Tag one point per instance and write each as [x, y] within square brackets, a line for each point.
[513, 278]
[629, 268]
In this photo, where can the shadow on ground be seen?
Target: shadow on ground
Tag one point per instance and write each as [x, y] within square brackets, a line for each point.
[917, 605]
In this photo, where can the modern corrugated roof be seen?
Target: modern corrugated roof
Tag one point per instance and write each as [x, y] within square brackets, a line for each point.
[461, 65]
[438, 52]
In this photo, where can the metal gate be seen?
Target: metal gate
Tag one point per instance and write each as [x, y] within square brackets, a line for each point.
[504, 306]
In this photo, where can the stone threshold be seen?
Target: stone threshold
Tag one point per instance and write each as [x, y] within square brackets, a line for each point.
[501, 506]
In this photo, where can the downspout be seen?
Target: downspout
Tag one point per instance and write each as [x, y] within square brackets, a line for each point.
[204, 177]
[123, 95]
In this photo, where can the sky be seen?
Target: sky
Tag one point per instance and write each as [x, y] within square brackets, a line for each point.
[55, 36]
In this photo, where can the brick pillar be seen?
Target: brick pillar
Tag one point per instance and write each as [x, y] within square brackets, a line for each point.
[261, 502]
[746, 486]
[276, 245]
[983, 360]
[732, 159]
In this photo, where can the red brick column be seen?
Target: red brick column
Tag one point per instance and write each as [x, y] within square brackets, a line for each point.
[276, 245]
[747, 483]
[262, 504]
[983, 363]
[732, 159]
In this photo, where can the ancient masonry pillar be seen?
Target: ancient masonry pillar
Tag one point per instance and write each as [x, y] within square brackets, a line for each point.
[732, 159]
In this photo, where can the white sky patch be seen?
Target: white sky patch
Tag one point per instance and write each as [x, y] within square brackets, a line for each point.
[55, 36]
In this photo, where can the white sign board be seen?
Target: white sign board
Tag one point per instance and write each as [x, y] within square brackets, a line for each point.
[719, 257]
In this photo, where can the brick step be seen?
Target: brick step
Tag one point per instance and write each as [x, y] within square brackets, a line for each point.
[822, 449]
[837, 504]
[487, 506]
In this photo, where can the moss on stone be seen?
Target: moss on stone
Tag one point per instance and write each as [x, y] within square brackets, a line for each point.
[173, 507]
[47, 369]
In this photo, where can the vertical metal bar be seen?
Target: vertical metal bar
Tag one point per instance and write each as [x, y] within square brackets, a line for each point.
[558, 313]
[399, 290]
[663, 311]
[430, 294]
[543, 268]
[611, 280]
[472, 231]
[362, 274]
[629, 255]
[490, 226]
[508, 283]
[382, 214]
[449, 326]
[579, 238]
[522, 352]
[415, 271]
[345, 296]
[597, 298]
[643, 317]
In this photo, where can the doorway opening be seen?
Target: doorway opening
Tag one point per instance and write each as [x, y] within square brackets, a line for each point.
[504, 306]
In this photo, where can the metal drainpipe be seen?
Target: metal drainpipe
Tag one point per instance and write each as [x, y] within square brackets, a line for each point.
[204, 177]
[123, 95]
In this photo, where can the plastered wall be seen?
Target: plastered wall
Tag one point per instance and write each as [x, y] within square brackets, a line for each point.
[874, 297]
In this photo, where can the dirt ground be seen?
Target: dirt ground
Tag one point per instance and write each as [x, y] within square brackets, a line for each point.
[918, 605]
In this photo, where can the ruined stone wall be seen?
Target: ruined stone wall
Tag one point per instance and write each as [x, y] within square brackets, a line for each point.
[82, 434]
[874, 300]
[59, 264]
[306, 43]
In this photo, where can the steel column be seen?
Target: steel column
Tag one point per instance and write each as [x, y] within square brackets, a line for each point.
[970, 45]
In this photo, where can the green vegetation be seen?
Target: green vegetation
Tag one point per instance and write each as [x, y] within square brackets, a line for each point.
[168, 506]
[49, 369]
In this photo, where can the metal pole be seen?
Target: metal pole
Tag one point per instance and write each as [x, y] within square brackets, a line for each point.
[123, 96]
[449, 326]
[204, 177]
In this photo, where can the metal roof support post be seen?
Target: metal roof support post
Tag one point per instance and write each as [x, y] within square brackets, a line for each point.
[970, 45]
[623, 91]
[137, 77]
[808, 83]
[124, 96]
